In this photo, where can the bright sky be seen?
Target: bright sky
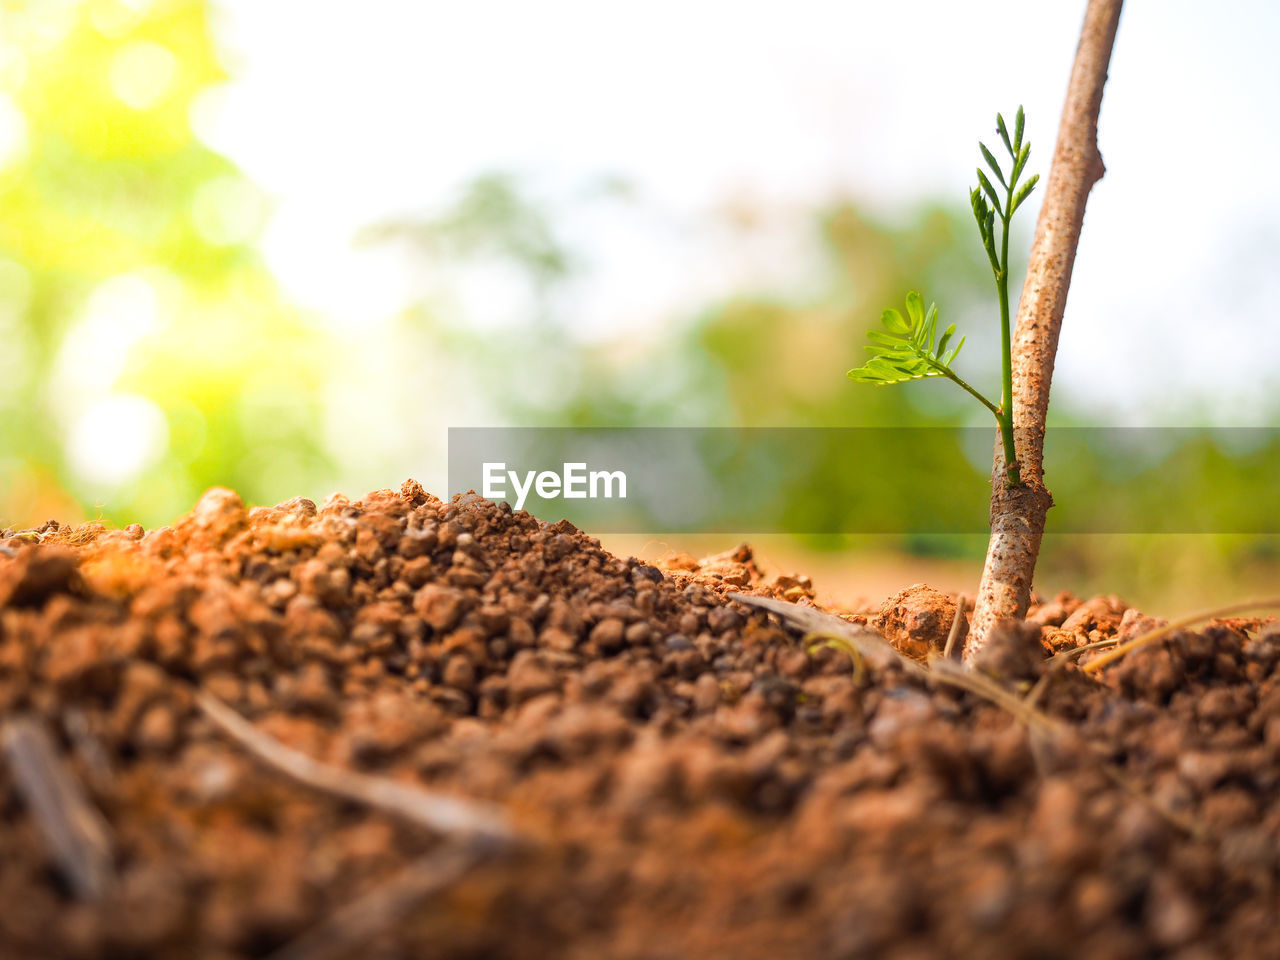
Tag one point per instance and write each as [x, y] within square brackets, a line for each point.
[345, 119]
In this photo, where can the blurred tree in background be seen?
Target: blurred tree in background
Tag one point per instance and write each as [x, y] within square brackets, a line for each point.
[147, 353]
[756, 359]
[763, 359]
[759, 358]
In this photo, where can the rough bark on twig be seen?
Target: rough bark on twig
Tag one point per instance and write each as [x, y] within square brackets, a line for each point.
[1018, 513]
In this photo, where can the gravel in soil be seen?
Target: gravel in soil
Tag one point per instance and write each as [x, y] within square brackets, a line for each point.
[692, 780]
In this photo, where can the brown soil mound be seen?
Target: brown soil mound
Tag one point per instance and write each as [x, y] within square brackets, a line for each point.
[689, 781]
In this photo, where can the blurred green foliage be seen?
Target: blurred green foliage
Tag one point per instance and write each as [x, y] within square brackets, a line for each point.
[147, 352]
[764, 359]
[756, 359]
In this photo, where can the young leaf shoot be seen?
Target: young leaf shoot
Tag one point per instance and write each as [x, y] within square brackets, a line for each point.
[909, 349]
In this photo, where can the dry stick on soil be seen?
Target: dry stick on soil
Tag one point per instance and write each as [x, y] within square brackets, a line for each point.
[478, 822]
[364, 918]
[952, 673]
[1060, 660]
[814, 624]
[78, 836]
[476, 833]
[870, 645]
[1040, 723]
[1160, 632]
[1018, 512]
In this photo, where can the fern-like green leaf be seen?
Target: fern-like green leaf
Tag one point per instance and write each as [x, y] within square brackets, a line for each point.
[1020, 161]
[946, 338]
[991, 162]
[894, 323]
[1004, 133]
[991, 191]
[1025, 190]
[908, 347]
[915, 309]
[930, 329]
[883, 340]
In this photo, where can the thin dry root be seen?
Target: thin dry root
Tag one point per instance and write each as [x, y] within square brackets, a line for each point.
[816, 641]
[1041, 726]
[1057, 662]
[1161, 632]
[952, 673]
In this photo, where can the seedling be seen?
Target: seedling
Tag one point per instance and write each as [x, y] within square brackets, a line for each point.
[909, 348]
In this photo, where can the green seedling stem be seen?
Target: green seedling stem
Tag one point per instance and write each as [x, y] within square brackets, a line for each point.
[908, 349]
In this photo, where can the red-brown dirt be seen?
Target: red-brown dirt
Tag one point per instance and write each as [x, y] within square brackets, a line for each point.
[688, 779]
